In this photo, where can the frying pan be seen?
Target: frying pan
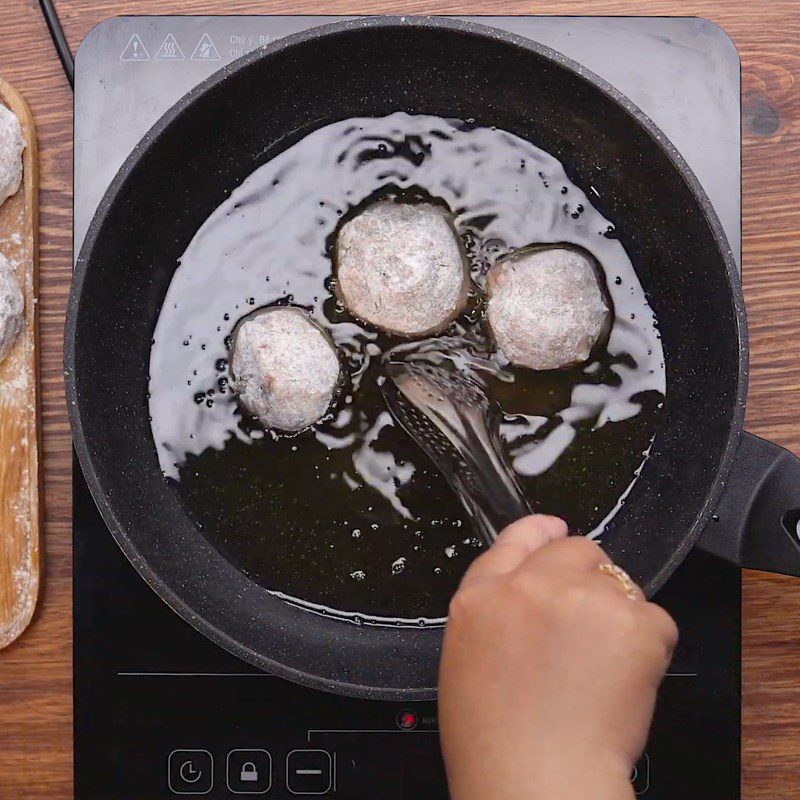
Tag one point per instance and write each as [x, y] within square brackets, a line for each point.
[216, 136]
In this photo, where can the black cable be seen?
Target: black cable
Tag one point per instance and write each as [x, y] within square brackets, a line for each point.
[59, 40]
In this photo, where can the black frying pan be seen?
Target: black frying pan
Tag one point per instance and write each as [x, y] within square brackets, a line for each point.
[216, 135]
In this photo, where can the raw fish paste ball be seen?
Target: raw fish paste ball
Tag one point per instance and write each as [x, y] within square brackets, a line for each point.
[11, 146]
[285, 368]
[546, 307]
[402, 268]
[12, 304]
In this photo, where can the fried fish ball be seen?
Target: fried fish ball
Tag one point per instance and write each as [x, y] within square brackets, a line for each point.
[547, 307]
[402, 268]
[285, 368]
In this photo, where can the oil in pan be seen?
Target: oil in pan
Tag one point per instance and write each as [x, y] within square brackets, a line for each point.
[350, 518]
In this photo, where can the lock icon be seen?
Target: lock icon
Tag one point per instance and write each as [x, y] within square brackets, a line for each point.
[249, 771]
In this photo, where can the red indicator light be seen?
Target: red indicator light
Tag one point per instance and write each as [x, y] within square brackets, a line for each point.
[407, 720]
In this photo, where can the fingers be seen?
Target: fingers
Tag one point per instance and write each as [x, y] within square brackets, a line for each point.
[656, 625]
[663, 625]
[514, 545]
[567, 556]
[521, 546]
[535, 553]
[617, 580]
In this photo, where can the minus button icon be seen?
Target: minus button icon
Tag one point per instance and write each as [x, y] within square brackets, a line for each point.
[310, 772]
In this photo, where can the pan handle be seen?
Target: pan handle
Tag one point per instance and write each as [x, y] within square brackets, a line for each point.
[757, 521]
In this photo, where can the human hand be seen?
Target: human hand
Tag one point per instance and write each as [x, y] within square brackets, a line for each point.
[549, 671]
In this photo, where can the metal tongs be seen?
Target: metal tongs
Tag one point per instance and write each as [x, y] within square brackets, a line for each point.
[449, 416]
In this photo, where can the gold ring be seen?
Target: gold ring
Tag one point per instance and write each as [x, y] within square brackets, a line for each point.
[625, 580]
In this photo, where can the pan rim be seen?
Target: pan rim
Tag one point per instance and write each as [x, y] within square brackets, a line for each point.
[455, 25]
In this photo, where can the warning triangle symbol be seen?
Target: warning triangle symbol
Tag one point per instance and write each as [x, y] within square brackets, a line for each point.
[170, 50]
[206, 50]
[135, 50]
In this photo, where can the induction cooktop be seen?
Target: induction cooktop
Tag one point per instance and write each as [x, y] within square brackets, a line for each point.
[160, 711]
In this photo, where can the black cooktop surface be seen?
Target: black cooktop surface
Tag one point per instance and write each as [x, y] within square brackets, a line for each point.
[159, 710]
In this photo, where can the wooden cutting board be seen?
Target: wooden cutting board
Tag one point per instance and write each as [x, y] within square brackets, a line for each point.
[20, 513]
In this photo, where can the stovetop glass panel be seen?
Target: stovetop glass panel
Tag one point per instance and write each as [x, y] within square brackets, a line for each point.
[162, 712]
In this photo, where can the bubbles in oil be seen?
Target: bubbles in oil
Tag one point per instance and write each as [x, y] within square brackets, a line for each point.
[323, 517]
[398, 565]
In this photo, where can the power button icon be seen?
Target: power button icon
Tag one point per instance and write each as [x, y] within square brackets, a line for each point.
[190, 772]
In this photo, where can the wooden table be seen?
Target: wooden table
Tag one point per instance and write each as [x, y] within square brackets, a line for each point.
[35, 674]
